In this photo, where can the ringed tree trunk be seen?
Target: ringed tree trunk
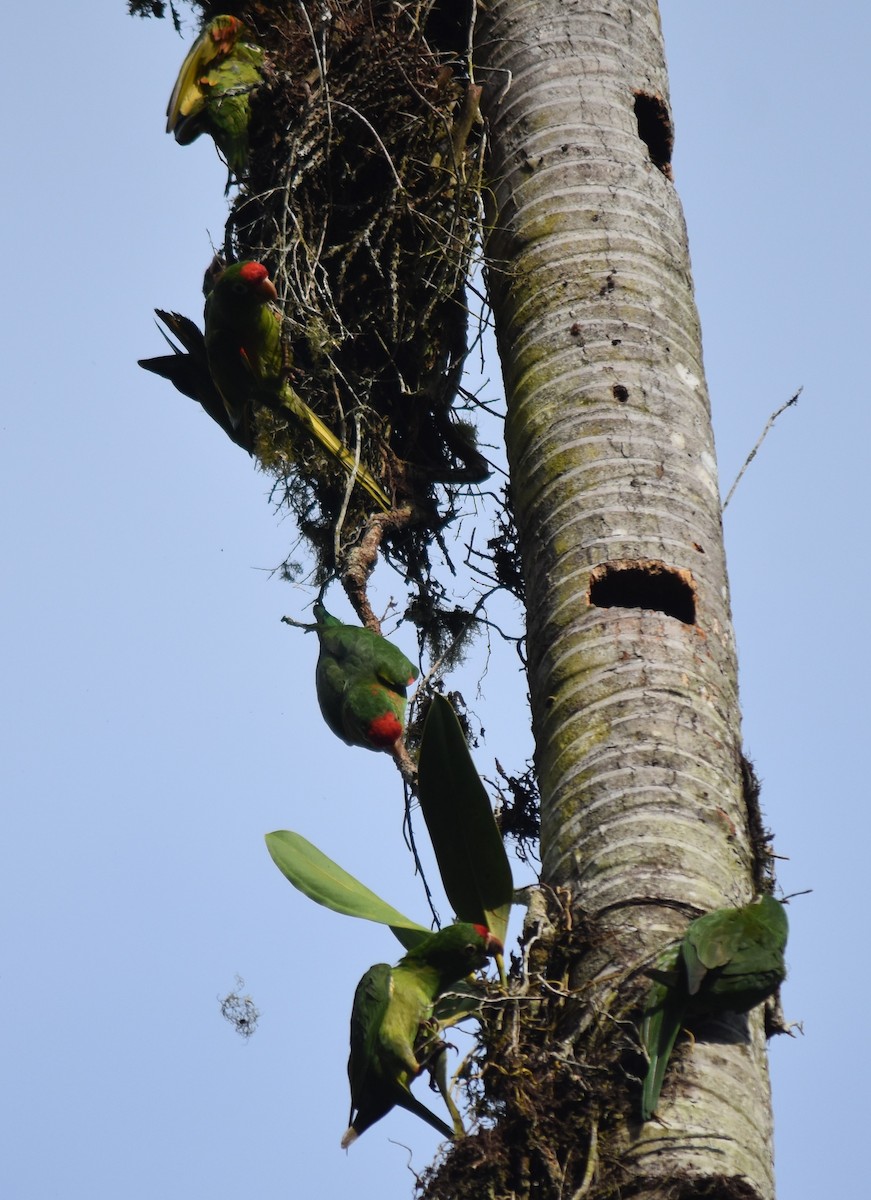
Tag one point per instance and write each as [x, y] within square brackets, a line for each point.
[632, 665]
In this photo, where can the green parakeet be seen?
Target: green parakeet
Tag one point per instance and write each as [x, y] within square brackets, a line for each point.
[389, 1035]
[729, 960]
[361, 682]
[247, 360]
[211, 94]
[187, 368]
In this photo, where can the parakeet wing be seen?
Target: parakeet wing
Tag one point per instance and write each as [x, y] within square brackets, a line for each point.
[392, 666]
[370, 1006]
[227, 111]
[738, 942]
[215, 41]
[330, 684]
[710, 942]
[365, 653]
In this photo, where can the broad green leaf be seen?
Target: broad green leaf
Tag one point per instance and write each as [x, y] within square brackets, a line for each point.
[325, 882]
[468, 847]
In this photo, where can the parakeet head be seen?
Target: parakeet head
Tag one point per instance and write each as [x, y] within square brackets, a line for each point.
[456, 950]
[225, 32]
[247, 280]
[492, 944]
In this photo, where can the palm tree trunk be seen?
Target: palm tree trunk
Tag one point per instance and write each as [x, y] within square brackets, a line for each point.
[632, 667]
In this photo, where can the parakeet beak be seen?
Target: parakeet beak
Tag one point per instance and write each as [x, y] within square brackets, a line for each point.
[494, 946]
[266, 288]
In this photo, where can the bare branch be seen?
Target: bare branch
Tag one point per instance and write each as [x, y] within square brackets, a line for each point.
[749, 459]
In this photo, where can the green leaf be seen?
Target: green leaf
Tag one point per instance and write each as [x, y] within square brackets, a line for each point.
[325, 882]
[468, 847]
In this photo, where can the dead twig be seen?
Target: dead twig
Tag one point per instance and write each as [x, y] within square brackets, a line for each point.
[792, 400]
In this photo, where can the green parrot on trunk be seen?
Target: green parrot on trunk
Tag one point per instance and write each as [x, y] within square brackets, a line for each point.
[390, 1041]
[361, 681]
[729, 960]
[187, 368]
[246, 358]
[212, 92]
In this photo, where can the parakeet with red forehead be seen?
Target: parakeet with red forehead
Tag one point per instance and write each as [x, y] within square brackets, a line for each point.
[361, 681]
[212, 92]
[392, 1005]
[247, 361]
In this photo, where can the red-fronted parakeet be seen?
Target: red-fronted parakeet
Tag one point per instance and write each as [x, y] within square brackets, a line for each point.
[247, 361]
[729, 960]
[361, 681]
[187, 368]
[212, 92]
[390, 1039]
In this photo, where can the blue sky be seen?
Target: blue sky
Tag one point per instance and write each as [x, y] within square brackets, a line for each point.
[159, 717]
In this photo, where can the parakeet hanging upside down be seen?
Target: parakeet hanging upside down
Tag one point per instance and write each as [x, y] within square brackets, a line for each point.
[361, 682]
[391, 1008]
[247, 361]
[730, 960]
[212, 92]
